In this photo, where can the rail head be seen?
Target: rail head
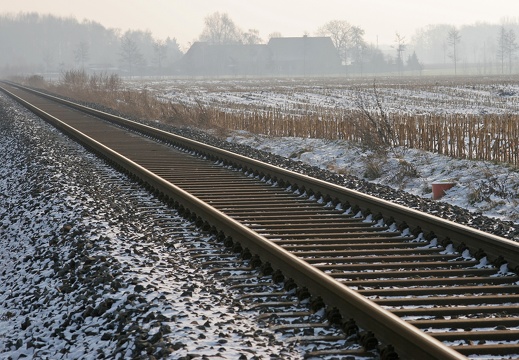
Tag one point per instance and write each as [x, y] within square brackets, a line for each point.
[494, 246]
[409, 341]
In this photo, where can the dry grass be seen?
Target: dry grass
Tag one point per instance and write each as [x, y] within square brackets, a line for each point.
[108, 90]
[490, 137]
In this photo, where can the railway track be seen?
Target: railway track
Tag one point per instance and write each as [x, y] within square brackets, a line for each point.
[430, 288]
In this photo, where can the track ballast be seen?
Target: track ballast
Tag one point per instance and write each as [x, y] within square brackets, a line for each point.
[451, 284]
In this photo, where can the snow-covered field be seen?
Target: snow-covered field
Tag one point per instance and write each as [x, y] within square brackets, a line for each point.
[416, 95]
[484, 187]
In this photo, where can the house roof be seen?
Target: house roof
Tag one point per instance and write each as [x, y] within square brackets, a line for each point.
[294, 48]
[234, 51]
[281, 55]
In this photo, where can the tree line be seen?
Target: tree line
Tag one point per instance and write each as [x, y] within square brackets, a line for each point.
[490, 48]
[486, 48]
[30, 43]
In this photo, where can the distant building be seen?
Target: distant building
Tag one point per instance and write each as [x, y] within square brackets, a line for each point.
[293, 56]
[205, 59]
[304, 56]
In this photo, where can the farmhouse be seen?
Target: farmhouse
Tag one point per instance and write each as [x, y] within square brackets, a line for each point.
[205, 59]
[303, 56]
[293, 56]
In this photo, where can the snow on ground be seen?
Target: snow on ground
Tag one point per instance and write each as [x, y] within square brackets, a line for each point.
[79, 278]
[418, 95]
[87, 271]
[482, 187]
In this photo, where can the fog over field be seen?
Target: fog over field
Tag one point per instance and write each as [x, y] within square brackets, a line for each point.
[370, 37]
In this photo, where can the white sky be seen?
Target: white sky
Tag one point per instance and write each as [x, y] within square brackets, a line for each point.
[184, 19]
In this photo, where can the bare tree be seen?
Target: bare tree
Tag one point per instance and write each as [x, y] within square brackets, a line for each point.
[340, 32]
[400, 47]
[160, 50]
[82, 53]
[431, 42]
[511, 47]
[453, 39]
[220, 29]
[252, 37]
[507, 46]
[130, 54]
[501, 50]
[357, 47]
[348, 41]
[379, 134]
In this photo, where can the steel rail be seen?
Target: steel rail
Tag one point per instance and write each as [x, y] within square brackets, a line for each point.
[494, 246]
[388, 327]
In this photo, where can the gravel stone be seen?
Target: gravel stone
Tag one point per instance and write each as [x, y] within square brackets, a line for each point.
[87, 273]
[86, 270]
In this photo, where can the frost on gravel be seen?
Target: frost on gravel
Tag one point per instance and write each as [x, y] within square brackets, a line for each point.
[481, 187]
[87, 271]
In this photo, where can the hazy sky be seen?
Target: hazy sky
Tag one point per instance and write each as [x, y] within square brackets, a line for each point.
[184, 19]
